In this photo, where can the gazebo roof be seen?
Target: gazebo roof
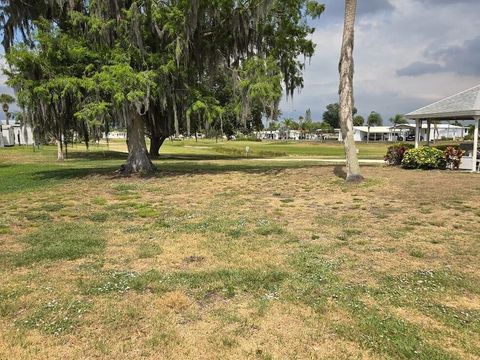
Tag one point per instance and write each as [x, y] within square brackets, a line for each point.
[462, 106]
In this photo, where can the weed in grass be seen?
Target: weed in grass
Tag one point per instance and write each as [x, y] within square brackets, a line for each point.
[266, 227]
[148, 250]
[425, 210]
[462, 319]
[38, 216]
[388, 335]
[417, 253]
[314, 277]
[134, 229]
[98, 200]
[287, 200]
[347, 234]
[124, 188]
[352, 232]
[227, 282]
[58, 241]
[52, 207]
[98, 216]
[9, 303]
[161, 224]
[147, 212]
[117, 317]
[342, 237]
[413, 222]
[235, 233]
[56, 316]
[123, 214]
[4, 229]
[193, 259]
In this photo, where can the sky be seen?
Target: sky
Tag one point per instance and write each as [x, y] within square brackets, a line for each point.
[408, 54]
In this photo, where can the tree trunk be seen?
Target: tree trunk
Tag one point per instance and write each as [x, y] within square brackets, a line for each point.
[221, 126]
[155, 145]
[138, 160]
[346, 69]
[175, 118]
[60, 156]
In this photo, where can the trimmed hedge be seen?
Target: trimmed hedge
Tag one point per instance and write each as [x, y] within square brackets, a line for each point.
[424, 158]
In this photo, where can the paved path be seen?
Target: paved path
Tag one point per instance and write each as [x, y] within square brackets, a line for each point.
[323, 160]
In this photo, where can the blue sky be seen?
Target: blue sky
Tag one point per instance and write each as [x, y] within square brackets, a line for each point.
[408, 53]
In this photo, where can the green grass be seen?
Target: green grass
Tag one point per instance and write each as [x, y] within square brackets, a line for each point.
[272, 148]
[56, 317]
[226, 257]
[60, 241]
[224, 282]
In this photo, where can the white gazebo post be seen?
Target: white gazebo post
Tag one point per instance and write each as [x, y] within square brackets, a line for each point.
[429, 127]
[417, 133]
[475, 145]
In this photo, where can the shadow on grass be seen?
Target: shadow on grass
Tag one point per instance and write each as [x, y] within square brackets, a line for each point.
[339, 171]
[97, 155]
[27, 177]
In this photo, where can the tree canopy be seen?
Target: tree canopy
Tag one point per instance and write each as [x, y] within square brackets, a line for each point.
[332, 115]
[160, 67]
[374, 119]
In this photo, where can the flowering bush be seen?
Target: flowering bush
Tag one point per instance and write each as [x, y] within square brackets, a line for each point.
[395, 154]
[424, 158]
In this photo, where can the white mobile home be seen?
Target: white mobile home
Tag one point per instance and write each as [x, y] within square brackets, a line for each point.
[406, 132]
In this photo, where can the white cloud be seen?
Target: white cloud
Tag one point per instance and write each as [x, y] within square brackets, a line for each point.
[390, 35]
[386, 42]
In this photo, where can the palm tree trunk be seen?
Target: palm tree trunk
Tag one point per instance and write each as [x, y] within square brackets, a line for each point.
[346, 69]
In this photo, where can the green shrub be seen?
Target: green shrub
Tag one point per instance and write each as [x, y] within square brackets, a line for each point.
[395, 154]
[424, 158]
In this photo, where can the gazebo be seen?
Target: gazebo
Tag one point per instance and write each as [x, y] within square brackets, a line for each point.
[462, 106]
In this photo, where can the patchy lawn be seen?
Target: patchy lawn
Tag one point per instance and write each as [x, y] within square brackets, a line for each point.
[233, 259]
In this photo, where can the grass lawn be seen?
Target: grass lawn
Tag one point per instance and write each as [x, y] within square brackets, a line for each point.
[220, 257]
[266, 148]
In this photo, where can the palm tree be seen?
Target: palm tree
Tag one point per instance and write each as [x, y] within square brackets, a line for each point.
[289, 124]
[396, 120]
[374, 119]
[346, 69]
[6, 100]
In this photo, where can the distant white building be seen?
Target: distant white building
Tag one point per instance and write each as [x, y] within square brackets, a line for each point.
[285, 134]
[407, 132]
[16, 134]
[116, 135]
